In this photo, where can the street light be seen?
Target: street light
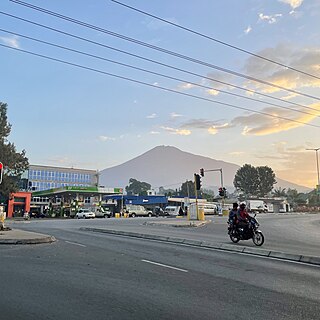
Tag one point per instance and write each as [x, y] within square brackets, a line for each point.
[316, 150]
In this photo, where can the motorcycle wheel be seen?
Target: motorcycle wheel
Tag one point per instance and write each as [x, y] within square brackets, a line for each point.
[258, 238]
[234, 238]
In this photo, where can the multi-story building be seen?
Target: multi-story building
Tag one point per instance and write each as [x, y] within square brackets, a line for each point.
[46, 177]
[40, 178]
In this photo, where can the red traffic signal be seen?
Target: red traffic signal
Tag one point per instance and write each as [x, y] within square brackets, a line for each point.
[1, 171]
[222, 192]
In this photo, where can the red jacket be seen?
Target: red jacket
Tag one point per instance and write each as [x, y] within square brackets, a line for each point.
[243, 215]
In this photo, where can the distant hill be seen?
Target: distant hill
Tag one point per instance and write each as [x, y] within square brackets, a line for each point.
[169, 167]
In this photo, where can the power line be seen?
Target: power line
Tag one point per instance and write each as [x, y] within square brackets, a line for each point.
[216, 40]
[155, 61]
[153, 47]
[157, 86]
[151, 72]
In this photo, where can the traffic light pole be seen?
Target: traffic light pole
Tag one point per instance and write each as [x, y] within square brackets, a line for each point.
[221, 174]
[221, 180]
[196, 193]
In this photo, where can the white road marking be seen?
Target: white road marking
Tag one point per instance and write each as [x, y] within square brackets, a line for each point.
[77, 244]
[164, 265]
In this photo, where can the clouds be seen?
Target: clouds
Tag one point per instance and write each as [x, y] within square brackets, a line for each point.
[306, 59]
[260, 125]
[181, 132]
[106, 138]
[11, 41]
[293, 3]
[152, 116]
[293, 163]
[270, 18]
[247, 30]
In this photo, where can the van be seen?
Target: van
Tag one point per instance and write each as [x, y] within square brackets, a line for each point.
[137, 211]
[172, 210]
[209, 208]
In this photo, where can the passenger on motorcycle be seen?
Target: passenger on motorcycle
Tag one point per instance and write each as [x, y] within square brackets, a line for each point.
[243, 217]
[233, 216]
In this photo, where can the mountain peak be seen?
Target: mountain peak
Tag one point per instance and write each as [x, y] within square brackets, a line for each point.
[169, 167]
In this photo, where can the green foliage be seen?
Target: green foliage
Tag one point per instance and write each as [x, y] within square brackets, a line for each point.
[136, 187]
[187, 189]
[253, 181]
[314, 198]
[295, 198]
[267, 179]
[279, 192]
[208, 195]
[246, 180]
[15, 163]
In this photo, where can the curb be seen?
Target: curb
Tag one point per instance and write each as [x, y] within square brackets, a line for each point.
[48, 239]
[313, 260]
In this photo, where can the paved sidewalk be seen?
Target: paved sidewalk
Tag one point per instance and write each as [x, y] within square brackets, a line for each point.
[16, 236]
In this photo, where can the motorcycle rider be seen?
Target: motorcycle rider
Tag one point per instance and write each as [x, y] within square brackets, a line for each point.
[243, 217]
[233, 216]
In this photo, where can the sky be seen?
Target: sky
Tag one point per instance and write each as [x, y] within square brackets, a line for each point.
[77, 111]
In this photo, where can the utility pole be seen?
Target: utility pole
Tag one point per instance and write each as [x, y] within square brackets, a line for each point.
[317, 161]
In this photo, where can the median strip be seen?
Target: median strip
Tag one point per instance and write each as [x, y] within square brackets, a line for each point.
[312, 260]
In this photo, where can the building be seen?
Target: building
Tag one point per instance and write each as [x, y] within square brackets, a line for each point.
[65, 201]
[39, 178]
[46, 177]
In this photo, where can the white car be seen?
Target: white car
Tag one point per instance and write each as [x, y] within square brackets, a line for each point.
[85, 214]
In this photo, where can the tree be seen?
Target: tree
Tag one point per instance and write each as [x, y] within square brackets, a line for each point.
[267, 179]
[208, 195]
[246, 180]
[15, 163]
[136, 187]
[187, 189]
[314, 198]
[279, 192]
[253, 181]
[295, 198]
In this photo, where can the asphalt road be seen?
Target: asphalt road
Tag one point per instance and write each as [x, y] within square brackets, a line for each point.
[297, 234]
[97, 276]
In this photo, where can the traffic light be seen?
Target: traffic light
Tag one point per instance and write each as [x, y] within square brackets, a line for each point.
[202, 172]
[197, 180]
[222, 192]
[1, 171]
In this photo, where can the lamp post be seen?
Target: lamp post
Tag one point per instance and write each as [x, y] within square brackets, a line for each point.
[316, 150]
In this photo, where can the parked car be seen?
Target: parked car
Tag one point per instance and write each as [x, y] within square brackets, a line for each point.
[102, 212]
[136, 210]
[85, 214]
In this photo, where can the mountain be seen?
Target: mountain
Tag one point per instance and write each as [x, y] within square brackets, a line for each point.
[169, 167]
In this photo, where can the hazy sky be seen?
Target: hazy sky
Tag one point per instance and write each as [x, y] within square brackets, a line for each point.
[69, 116]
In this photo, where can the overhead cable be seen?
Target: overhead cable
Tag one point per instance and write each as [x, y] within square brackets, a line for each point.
[158, 87]
[153, 72]
[156, 62]
[216, 40]
[153, 47]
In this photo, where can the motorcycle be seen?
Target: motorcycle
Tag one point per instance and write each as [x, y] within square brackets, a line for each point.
[250, 232]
